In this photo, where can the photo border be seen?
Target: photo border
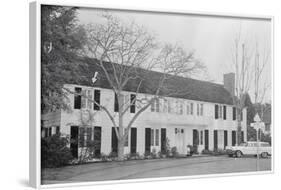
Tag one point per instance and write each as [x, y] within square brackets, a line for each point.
[35, 91]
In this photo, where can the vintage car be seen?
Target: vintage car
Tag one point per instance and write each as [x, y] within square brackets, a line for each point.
[249, 148]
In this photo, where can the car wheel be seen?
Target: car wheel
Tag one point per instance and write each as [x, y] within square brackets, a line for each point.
[264, 155]
[238, 154]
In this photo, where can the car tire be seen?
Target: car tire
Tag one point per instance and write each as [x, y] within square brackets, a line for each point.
[264, 154]
[238, 154]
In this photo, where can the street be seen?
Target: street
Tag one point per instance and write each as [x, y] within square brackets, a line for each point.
[152, 168]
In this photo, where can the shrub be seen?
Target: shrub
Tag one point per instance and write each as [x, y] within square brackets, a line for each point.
[54, 151]
[174, 151]
[153, 153]
[113, 155]
[135, 156]
[104, 157]
[206, 151]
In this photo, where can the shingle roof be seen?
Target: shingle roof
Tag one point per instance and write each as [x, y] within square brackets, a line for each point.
[191, 89]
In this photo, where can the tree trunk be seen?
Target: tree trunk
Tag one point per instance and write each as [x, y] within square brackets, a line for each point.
[120, 150]
[239, 126]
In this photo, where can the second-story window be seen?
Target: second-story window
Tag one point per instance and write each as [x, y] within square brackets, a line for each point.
[201, 109]
[77, 98]
[155, 106]
[198, 109]
[133, 103]
[191, 108]
[170, 106]
[216, 111]
[220, 111]
[180, 107]
[97, 100]
[188, 109]
[165, 106]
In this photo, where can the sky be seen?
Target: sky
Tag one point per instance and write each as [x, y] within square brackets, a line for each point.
[211, 37]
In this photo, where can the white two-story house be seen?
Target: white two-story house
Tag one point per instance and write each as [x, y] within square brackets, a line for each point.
[205, 117]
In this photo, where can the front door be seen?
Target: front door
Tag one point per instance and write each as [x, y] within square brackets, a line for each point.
[215, 140]
[163, 140]
[74, 141]
[195, 140]
[225, 138]
[147, 139]
[133, 140]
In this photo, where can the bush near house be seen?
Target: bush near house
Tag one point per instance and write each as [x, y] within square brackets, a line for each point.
[215, 152]
[54, 151]
[174, 152]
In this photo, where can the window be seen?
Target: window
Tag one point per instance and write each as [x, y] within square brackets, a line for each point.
[133, 103]
[216, 111]
[188, 109]
[90, 97]
[157, 137]
[234, 113]
[97, 99]
[180, 107]
[220, 111]
[152, 106]
[77, 98]
[241, 116]
[116, 104]
[157, 105]
[191, 108]
[224, 112]
[152, 137]
[165, 107]
[201, 109]
[83, 103]
[170, 106]
[198, 109]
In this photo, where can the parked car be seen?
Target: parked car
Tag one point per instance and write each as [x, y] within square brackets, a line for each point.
[250, 148]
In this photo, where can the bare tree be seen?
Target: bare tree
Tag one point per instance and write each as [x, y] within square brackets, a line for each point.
[262, 59]
[128, 53]
[247, 66]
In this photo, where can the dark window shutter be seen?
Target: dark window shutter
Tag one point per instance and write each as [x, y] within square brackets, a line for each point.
[97, 100]
[77, 98]
[216, 111]
[116, 104]
[224, 112]
[133, 103]
[234, 113]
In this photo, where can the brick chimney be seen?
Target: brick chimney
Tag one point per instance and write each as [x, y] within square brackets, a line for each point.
[229, 82]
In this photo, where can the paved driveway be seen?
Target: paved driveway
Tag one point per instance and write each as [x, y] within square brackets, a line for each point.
[152, 168]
